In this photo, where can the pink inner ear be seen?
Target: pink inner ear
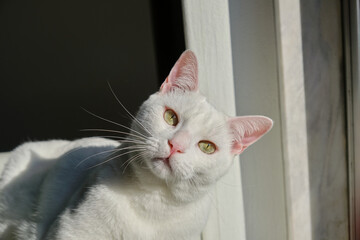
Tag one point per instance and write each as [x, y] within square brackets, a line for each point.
[248, 129]
[184, 74]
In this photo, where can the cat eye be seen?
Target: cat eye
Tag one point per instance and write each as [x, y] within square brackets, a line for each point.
[170, 117]
[207, 147]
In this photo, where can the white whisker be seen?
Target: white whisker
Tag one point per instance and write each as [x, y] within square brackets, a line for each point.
[111, 151]
[133, 158]
[124, 139]
[128, 110]
[114, 131]
[110, 121]
[107, 160]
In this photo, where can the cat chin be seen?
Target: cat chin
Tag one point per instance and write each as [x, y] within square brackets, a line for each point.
[161, 168]
[169, 169]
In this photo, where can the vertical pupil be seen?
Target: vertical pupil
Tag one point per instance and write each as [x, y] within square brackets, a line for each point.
[171, 117]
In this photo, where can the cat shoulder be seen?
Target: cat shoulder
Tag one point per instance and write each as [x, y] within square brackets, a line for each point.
[19, 159]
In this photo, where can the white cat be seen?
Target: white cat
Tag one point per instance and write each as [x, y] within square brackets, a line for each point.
[155, 185]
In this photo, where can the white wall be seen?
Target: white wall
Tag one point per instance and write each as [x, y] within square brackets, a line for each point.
[288, 64]
[255, 62]
[207, 31]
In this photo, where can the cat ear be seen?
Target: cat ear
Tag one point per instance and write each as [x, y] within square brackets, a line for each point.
[246, 130]
[184, 74]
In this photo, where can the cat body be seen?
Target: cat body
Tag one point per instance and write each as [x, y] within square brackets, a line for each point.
[86, 199]
[156, 184]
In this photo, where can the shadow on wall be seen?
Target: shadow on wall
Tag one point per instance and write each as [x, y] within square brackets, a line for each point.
[57, 57]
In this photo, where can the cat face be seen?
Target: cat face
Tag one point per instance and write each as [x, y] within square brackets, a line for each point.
[189, 140]
[192, 138]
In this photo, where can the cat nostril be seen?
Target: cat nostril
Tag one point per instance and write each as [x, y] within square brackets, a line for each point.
[175, 147]
[171, 146]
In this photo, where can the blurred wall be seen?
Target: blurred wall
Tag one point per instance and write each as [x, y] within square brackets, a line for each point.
[253, 35]
[324, 75]
[257, 63]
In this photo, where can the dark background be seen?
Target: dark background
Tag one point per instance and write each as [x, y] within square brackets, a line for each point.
[57, 56]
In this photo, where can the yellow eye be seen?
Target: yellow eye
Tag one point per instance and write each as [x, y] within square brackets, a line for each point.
[170, 117]
[207, 147]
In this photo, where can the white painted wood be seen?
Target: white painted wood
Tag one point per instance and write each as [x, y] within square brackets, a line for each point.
[293, 120]
[207, 32]
[253, 35]
[269, 80]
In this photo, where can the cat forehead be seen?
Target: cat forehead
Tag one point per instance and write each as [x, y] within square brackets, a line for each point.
[192, 107]
[196, 115]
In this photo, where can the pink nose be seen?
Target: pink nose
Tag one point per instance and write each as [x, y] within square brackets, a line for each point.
[175, 147]
[179, 142]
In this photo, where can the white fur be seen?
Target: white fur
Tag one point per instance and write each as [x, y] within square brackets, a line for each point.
[157, 205]
[73, 190]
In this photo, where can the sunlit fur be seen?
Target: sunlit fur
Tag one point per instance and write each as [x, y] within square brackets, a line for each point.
[193, 171]
[94, 188]
[152, 203]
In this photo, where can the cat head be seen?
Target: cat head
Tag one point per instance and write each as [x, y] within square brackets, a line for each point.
[190, 143]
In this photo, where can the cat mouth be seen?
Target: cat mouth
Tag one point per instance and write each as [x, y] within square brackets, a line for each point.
[165, 161]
